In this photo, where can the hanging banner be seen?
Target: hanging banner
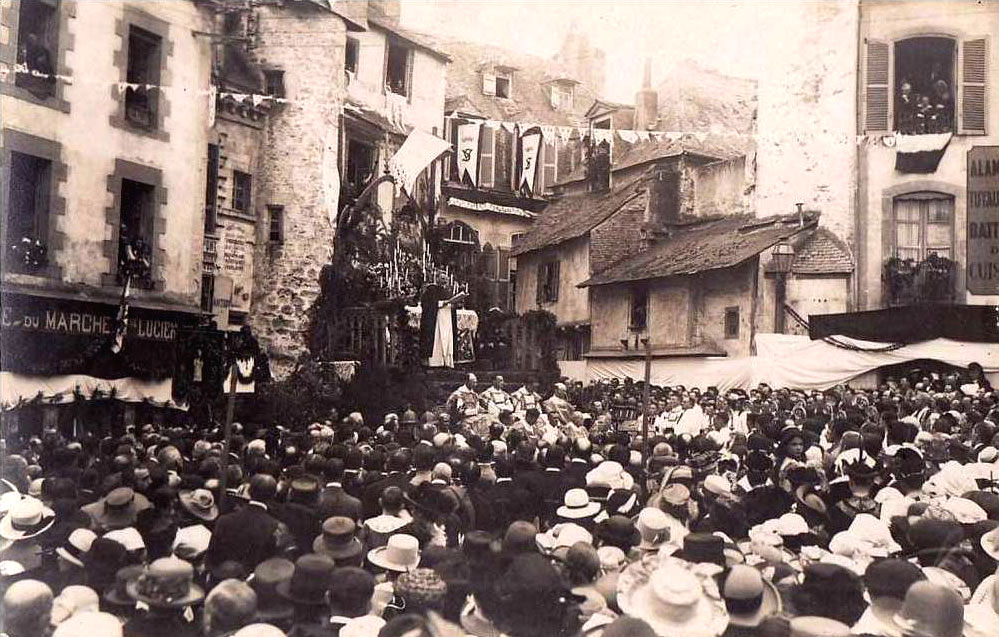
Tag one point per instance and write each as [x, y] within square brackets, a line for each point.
[331, 177]
[468, 154]
[416, 153]
[530, 143]
[983, 220]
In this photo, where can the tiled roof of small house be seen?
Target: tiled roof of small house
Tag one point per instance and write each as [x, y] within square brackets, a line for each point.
[822, 253]
[573, 216]
[530, 99]
[700, 246]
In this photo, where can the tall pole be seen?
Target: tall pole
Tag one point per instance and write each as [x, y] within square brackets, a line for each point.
[645, 418]
[227, 430]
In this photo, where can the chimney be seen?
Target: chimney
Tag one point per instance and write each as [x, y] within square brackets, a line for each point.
[646, 101]
[664, 199]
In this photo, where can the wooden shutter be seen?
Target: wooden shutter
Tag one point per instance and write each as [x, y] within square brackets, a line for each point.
[550, 167]
[487, 156]
[972, 74]
[877, 87]
[488, 84]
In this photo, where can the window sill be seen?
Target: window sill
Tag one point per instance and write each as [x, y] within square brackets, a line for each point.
[46, 272]
[120, 122]
[12, 90]
[237, 214]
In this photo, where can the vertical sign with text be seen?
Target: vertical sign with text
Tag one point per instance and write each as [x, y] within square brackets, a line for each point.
[983, 220]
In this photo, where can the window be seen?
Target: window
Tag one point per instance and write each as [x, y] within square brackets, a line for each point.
[207, 292]
[351, 55]
[37, 46]
[143, 69]
[361, 164]
[135, 218]
[639, 315]
[732, 322]
[487, 157]
[458, 232]
[242, 184]
[398, 64]
[275, 232]
[27, 205]
[603, 124]
[212, 189]
[923, 225]
[924, 85]
[548, 282]
[562, 98]
[274, 82]
[502, 86]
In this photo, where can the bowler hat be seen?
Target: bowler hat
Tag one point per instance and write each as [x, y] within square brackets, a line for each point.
[265, 579]
[309, 581]
[337, 539]
[618, 530]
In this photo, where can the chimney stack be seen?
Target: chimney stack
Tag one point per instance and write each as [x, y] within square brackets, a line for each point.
[646, 101]
[664, 198]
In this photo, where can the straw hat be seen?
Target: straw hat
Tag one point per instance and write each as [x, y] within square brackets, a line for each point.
[90, 624]
[166, 583]
[653, 527]
[990, 543]
[200, 503]
[27, 518]
[812, 626]
[672, 599]
[401, 554]
[77, 544]
[578, 505]
[560, 537]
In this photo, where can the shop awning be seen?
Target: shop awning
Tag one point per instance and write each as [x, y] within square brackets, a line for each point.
[57, 390]
[912, 324]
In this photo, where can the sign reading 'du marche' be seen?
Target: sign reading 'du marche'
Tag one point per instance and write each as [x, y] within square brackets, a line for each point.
[983, 220]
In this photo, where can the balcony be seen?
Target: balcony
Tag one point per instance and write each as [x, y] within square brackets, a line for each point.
[911, 282]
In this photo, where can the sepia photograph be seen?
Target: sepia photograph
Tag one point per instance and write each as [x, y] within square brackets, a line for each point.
[499, 318]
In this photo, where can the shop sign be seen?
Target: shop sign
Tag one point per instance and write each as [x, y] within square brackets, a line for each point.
[237, 264]
[983, 220]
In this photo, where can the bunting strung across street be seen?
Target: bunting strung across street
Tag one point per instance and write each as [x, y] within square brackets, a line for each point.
[530, 143]
[468, 154]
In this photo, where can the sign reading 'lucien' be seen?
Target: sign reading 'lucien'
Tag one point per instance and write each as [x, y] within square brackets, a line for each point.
[983, 220]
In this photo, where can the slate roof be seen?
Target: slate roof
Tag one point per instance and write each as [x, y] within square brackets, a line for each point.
[822, 253]
[625, 155]
[530, 101]
[702, 246]
[574, 215]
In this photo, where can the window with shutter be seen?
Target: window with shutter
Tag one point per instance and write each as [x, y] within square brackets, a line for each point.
[488, 84]
[973, 77]
[877, 94]
[487, 156]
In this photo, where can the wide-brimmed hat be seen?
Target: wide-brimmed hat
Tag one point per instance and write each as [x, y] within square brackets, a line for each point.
[200, 503]
[609, 474]
[577, 505]
[117, 594]
[27, 518]
[748, 596]
[166, 583]
[560, 537]
[619, 531]
[401, 554]
[990, 543]
[653, 526]
[76, 546]
[337, 539]
[265, 579]
[671, 598]
[310, 580]
[118, 509]
[929, 610]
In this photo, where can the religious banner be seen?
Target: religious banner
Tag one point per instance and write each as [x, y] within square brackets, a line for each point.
[983, 220]
[416, 153]
[468, 154]
[530, 143]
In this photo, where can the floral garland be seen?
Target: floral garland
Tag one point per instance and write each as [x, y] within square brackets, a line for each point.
[134, 260]
[29, 253]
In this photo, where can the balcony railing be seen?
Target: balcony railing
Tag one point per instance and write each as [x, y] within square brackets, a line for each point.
[910, 282]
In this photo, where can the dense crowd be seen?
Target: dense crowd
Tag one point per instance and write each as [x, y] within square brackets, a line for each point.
[772, 512]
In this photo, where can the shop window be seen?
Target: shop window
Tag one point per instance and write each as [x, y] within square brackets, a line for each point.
[143, 69]
[275, 233]
[398, 66]
[351, 55]
[732, 322]
[27, 210]
[639, 315]
[135, 219]
[37, 46]
[242, 185]
[924, 86]
[924, 224]
[274, 82]
[548, 282]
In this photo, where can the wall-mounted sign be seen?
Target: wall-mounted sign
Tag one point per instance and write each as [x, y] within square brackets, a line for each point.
[236, 261]
[983, 220]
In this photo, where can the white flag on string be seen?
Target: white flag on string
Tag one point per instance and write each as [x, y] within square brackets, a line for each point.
[468, 154]
[643, 135]
[629, 136]
[530, 144]
[508, 126]
[416, 153]
[548, 132]
[565, 133]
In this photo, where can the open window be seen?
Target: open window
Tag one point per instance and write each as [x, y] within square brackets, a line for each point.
[135, 219]
[924, 85]
[639, 314]
[548, 281]
[503, 86]
[27, 215]
[562, 96]
[274, 82]
[37, 46]
[398, 68]
[242, 192]
[143, 71]
[361, 160]
[351, 55]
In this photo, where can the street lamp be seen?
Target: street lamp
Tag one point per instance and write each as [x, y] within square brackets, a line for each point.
[783, 257]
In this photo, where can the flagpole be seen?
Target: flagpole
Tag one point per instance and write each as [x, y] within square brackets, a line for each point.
[227, 431]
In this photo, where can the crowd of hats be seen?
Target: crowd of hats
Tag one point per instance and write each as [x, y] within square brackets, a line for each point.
[770, 512]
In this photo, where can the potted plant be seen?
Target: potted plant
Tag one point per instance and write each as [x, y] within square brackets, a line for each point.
[899, 277]
[934, 278]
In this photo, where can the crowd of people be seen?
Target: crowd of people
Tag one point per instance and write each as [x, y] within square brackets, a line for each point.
[770, 512]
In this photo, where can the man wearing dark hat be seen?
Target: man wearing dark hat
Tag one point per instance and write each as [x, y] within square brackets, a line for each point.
[398, 476]
[350, 594]
[299, 512]
[307, 590]
[250, 534]
[334, 499]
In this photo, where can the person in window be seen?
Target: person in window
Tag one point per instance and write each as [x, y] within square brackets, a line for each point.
[906, 108]
[924, 113]
[39, 79]
[943, 109]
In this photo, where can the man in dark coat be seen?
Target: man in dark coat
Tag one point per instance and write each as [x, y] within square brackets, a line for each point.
[334, 500]
[250, 534]
[398, 476]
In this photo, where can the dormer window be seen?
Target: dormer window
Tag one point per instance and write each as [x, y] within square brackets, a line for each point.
[497, 83]
[562, 96]
[502, 86]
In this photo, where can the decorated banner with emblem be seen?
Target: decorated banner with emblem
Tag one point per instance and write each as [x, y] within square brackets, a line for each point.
[468, 154]
[530, 144]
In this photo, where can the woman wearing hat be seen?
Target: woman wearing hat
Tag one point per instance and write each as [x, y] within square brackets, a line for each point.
[167, 588]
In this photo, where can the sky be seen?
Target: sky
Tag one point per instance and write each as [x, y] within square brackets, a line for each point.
[727, 36]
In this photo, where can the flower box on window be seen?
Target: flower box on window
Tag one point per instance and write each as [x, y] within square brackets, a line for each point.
[909, 282]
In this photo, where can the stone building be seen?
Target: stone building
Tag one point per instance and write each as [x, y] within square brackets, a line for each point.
[104, 133]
